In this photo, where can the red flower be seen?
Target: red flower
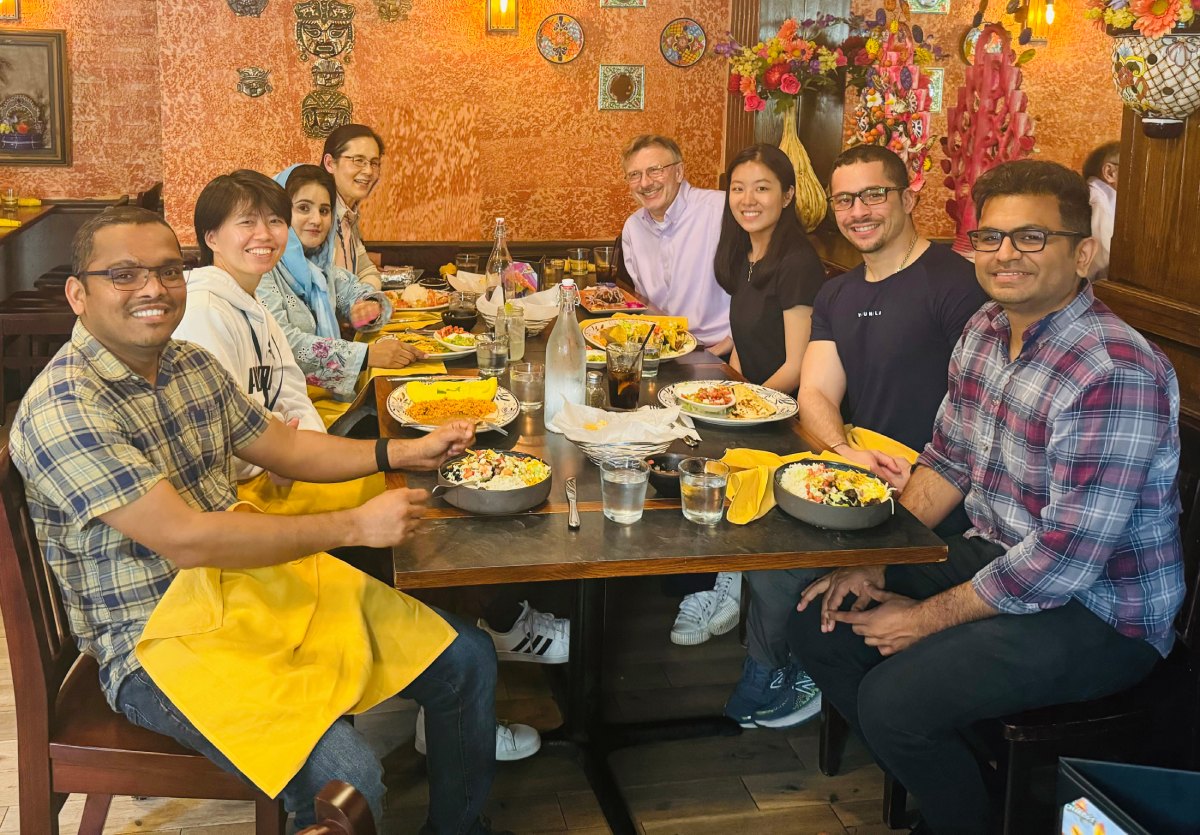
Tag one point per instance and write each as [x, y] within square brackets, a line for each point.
[753, 103]
[862, 59]
[735, 81]
[774, 75]
[789, 84]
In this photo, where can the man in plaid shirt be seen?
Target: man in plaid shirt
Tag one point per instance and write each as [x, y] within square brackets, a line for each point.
[1060, 429]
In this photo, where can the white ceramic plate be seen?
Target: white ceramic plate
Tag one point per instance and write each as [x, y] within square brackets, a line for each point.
[593, 362]
[507, 407]
[592, 331]
[785, 407]
[453, 352]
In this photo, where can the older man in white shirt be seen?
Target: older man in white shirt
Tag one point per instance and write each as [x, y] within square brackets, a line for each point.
[669, 243]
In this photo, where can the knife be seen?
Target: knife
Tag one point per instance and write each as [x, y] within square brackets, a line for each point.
[573, 513]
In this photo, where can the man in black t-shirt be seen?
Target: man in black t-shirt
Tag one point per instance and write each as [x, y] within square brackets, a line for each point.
[882, 335]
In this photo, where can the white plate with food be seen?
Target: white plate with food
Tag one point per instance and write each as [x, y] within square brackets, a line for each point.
[454, 341]
[596, 358]
[675, 342]
[459, 401]
[415, 298]
[430, 345]
[728, 402]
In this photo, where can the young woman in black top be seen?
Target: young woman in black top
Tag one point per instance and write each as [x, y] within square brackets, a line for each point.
[765, 262]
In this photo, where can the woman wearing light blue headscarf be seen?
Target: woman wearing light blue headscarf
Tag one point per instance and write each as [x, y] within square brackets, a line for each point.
[306, 293]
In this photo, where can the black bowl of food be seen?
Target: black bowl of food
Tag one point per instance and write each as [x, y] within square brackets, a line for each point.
[833, 495]
[664, 473]
[494, 482]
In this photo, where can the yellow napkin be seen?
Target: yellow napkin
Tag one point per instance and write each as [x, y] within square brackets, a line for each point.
[751, 485]
[452, 389]
[263, 660]
[327, 406]
[860, 438]
[301, 497]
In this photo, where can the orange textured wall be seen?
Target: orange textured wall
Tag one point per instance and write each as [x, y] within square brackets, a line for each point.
[1071, 96]
[476, 125]
[112, 53]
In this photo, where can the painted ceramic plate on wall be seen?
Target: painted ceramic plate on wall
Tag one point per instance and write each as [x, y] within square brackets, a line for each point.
[560, 39]
[682, 42]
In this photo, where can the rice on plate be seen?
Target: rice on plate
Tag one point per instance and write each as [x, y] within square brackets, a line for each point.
[834, 486]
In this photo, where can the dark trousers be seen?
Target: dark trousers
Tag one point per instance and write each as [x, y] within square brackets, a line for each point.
[911, 708]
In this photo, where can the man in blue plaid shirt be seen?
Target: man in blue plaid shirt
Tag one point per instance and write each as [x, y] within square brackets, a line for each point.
[1060, 429]
[126, 442]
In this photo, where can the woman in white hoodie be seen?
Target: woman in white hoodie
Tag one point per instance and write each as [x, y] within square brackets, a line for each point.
[241, 222]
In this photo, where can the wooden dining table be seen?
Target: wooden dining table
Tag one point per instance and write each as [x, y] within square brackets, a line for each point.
[455, 548]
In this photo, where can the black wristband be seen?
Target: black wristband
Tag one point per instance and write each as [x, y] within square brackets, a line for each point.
[381, 456]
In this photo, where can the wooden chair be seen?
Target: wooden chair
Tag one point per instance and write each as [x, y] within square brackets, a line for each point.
[68, 739]
[1156, 722]
[342, 811]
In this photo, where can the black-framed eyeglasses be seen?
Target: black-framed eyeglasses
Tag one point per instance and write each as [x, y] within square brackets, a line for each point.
[873, 196]
[654, 172]
[136, 277]
[1023, 240]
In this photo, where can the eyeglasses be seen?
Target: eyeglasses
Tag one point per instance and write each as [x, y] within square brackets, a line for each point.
[654, 172]
[873, 196]
[1023, 240]
[364, 162]
[136, 277]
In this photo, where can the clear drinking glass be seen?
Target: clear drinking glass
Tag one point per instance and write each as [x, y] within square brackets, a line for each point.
[605, 267]
[528, 381]
[491, 354]
[461, 310]
[702, 489]
[467, 262]
[512, 324]
[623, 489]
[578, 260]
[624, 361]
[650, 359]
[554, 272]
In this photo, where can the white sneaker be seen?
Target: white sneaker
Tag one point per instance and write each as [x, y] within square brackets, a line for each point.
[707, 613]
[513, 742]
[537, 637]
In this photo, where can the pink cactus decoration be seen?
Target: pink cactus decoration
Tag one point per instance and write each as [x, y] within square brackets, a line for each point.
[989, 125]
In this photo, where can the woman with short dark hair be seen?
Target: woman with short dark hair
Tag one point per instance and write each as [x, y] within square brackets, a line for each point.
[353, 154]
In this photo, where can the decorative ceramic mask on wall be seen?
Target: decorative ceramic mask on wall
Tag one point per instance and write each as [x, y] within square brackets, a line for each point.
[247, 8]
[252, 81]
[324, 29]
[328, 73]
[324, 111]
[392, 10]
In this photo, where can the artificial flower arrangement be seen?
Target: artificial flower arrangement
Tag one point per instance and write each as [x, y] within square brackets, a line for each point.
[780, 68]
[884, 59]
[1152, 18]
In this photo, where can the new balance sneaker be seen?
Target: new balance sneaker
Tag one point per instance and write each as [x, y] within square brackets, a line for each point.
[708, 613]
[535, 636]
[794, 705]
[513, 742]
[758, 687]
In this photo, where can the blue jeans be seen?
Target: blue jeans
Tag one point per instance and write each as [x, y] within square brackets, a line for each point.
[458, 692]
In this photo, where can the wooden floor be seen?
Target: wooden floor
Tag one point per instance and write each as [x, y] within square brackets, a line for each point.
[763, 781]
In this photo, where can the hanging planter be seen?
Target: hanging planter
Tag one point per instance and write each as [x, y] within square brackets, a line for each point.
[1158, 77]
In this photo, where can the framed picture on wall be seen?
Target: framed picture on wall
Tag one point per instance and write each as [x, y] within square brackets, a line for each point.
[622, 87]
[622, 4]
[35, 98]
[937, 82]
[10, 9]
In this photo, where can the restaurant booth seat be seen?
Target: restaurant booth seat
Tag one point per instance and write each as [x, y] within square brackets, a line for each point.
[1157, 722]
[68, 739]
[34, 324]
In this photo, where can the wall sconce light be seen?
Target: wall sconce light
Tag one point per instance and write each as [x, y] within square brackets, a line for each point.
[502, 16]
[1039, 19]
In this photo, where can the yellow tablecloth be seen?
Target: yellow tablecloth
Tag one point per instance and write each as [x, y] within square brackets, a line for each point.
[262, 661]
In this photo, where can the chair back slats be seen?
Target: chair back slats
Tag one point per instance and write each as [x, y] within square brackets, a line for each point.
[40, 646]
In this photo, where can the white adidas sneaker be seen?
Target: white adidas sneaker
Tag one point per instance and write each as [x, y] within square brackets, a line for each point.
[536, 637]
[513, 742]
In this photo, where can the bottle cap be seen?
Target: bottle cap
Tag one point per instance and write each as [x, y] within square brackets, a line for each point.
[568, 282]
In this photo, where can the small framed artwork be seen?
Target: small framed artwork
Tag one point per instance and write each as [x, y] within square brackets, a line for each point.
[622, 87]
[622, 4]
[35, 98]
[560, 39]
[682, 42]
[10, 9]
[930, 6]
[937, 81]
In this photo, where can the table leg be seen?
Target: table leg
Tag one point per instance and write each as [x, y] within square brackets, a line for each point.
[584, 729]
